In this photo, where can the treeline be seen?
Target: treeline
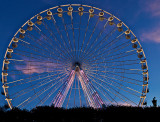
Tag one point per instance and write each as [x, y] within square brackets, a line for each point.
[106, 114]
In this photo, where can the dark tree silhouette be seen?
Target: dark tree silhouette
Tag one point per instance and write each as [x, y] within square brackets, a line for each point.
[107, 113]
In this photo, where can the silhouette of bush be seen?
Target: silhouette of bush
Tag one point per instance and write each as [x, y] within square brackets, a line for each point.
[83, 114]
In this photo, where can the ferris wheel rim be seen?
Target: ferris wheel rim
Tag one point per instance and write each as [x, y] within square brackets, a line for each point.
[145, 86]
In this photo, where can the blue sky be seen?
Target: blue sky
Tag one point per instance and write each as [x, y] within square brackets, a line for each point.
[142, 17]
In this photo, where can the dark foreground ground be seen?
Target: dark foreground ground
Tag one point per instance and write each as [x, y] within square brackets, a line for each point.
[108, 114]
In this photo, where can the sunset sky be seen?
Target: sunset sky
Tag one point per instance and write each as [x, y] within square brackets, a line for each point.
[141, 16]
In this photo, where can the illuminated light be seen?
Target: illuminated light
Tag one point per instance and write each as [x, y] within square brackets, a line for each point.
[93, 98]
[30, 23]
[6, 62]
[49, 13]
[4, 86]
[10, 50]
[139, 50]
[15, 40]
[60, 97]
[143, 96]
[39, 17]
[70, 9]
[146, 84]
[4, 74]
[134, 40]
[7, 99]
[127, 32]
[143, 61]
[22, 31]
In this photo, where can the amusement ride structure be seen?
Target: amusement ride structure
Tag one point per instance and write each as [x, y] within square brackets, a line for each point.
[72, 56]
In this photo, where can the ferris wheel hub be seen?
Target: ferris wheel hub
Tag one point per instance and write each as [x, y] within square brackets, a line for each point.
[76, 66]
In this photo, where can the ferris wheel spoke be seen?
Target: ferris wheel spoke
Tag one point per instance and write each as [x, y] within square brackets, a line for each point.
[36, 58]
[124, 69]
[110, 70]
[65, 46]
[61, 95]
[93, 96]
[119, 84]
[44, 99]
[32, 72]
[33, 87]
[56, 39]
[103, 90]
[97, 37]
[117, 61]
[51, 34]
[37, 94]
[55, 65]
[42, 43]
[29, 89]
[84, 38]
[115, 49]
[64, 24]
[46, 39]
[34, 39]
[91, 36]
[32, 78]
[69, 95]
[110, 58]
[46, 49]
[29, 66]
[79, 37]
[39, 63]
[79, 93]
[99, 91]
[112, 93]
[44, 89]
[61, 36]
[23, 41]
[85, 91]
[103, 50]
[73, 34]
[75, 93]
[113, 41]
[115, 74]
[37, 69]
[114, 61]
[109, 85]
[38, 55]
[28, 71]
[119, 87]
[37, 49]
[122, 64]
[102, 41]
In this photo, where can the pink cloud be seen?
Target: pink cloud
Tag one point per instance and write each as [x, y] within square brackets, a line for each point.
[152, 6]
[151, 36]
[31, 67]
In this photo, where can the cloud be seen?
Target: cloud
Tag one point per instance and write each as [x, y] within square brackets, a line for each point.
[152, 7]
[151, 36]
[31, 67]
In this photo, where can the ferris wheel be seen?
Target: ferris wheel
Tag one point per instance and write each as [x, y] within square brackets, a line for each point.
[72, 56]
